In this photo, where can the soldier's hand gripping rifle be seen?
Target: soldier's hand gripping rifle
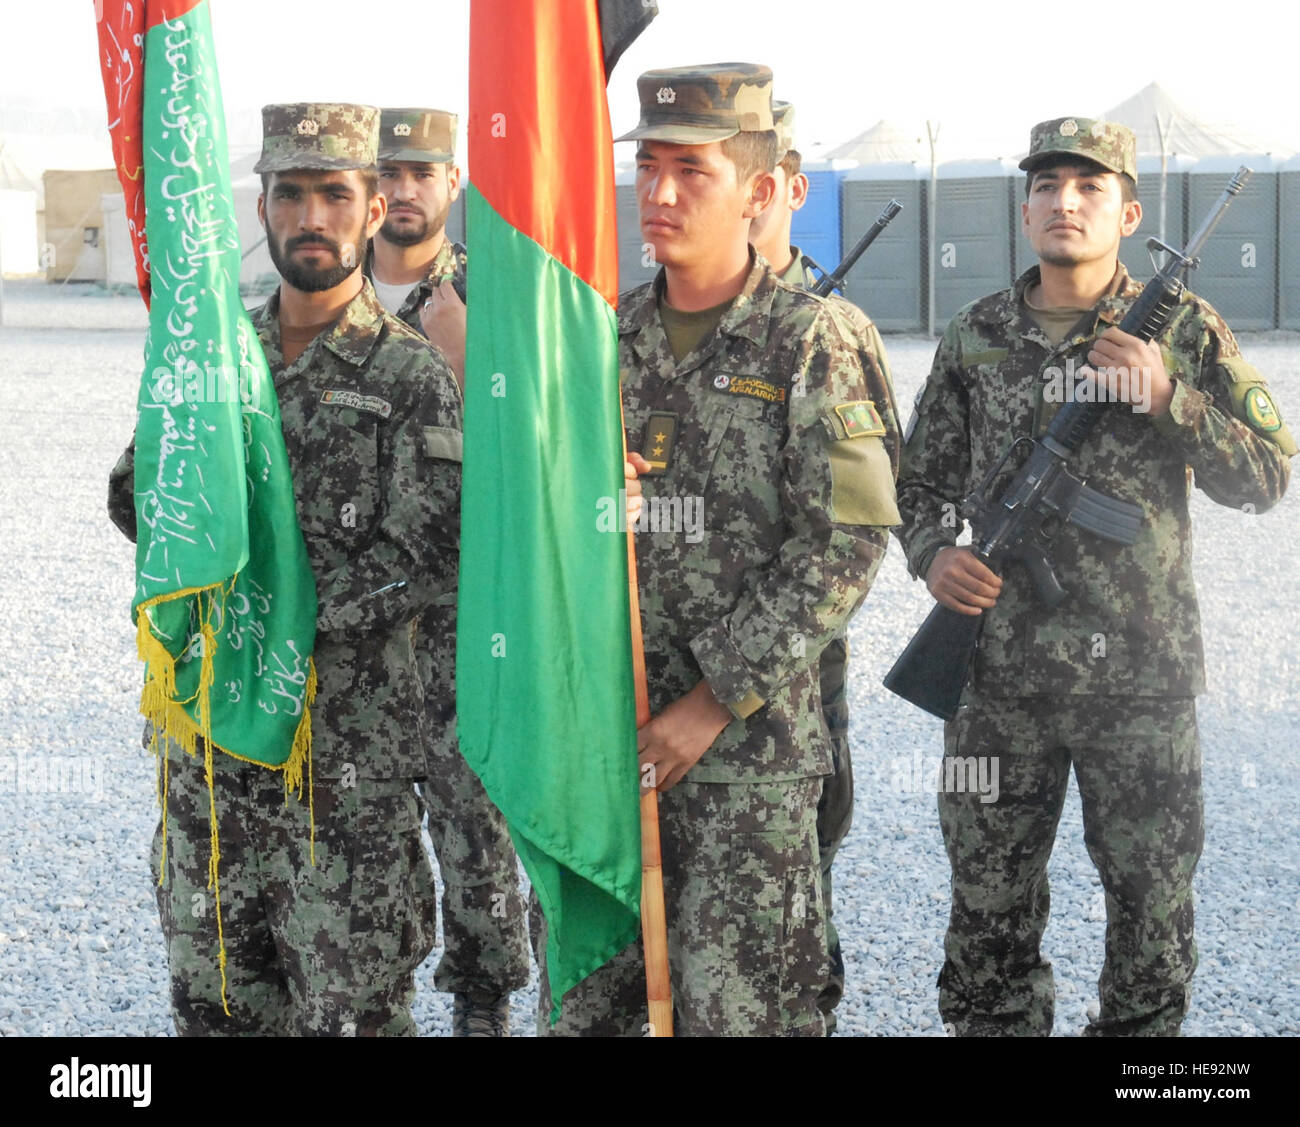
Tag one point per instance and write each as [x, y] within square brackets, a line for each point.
[835, 279]
[1021, 521]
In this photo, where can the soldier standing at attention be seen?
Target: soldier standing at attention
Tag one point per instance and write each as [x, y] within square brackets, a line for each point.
[770, 498]
[417, 271]
[485, 935]
[1106, 681]
[770, 236]
[367, 407]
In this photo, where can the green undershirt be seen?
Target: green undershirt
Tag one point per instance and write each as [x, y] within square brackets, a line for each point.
[685, 331]
[1055, 323]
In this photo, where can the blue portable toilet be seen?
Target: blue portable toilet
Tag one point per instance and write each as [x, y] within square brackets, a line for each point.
[815, 227]
[971, 248]
[1239, 266]
[887, 281]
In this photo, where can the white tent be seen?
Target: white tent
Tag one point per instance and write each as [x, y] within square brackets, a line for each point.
[884, 141]
[1164, 127]
[1174, 136]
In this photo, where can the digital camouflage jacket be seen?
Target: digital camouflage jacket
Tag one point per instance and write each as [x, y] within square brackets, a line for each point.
[1131, 623]
[765, 519]
[371, 418]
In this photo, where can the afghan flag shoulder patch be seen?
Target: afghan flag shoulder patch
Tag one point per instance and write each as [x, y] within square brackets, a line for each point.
[859, 419]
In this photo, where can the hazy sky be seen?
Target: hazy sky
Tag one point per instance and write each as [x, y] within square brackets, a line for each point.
[986, 71]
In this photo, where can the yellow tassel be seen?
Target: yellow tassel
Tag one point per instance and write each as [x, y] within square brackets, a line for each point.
[300, 755]
[172, 724]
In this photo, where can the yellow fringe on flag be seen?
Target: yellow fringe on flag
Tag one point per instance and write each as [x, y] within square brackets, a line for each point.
[166, 714]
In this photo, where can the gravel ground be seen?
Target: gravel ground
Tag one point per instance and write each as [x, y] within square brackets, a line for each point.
[80, 950]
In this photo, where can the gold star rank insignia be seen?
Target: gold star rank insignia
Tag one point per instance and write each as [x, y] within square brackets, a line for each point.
[662, 425]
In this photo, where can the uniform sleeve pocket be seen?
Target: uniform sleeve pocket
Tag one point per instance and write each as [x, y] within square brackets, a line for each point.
[862, 482]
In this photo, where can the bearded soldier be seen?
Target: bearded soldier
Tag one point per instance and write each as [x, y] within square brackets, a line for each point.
[371, 416]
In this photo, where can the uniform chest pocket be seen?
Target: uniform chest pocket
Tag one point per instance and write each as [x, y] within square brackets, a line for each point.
[337, 480]
[743, 488]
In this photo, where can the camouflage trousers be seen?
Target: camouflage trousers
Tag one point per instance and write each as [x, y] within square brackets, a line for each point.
[835, 810]
[1138, 767]
[746, 936]
[485, 932]
[323, 950]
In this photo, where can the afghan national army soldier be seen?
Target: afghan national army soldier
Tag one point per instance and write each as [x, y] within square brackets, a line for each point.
[1104, 682]
[417, 271]
[767, 501]
[483, 915]
[371, 417]
[770, 235]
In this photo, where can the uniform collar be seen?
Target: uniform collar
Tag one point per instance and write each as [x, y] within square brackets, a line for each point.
[443, 266]
[747, 317]
[351, 338]
[796, 274]
[1012, 310]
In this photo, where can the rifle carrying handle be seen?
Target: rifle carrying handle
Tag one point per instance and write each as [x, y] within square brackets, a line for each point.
[1146, 319]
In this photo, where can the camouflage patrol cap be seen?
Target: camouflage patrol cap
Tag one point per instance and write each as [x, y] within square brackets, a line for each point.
[319, 135]
[696, 105]
[1110, 144]
[427, 136]
[783, 120]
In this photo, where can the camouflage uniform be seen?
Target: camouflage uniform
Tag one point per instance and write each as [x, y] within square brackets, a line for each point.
[448, 265]
[1105, 681]
[796, 498]
[329, 948]
[835, 810]
[422, 136]
[766, 431]
[485, 941]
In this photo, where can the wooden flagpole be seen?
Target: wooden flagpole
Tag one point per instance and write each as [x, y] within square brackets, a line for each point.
[654, 920]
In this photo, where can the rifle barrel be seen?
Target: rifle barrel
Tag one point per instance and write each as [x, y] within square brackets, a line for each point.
[1203, 233]
[835, 279]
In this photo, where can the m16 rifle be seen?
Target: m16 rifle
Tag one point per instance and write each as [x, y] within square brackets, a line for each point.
[1021, 521]
[835, 278]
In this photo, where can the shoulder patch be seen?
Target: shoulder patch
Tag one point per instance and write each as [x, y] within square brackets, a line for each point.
[1260, 410]
[1253, 404]
[340, 397]
[860, 419]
